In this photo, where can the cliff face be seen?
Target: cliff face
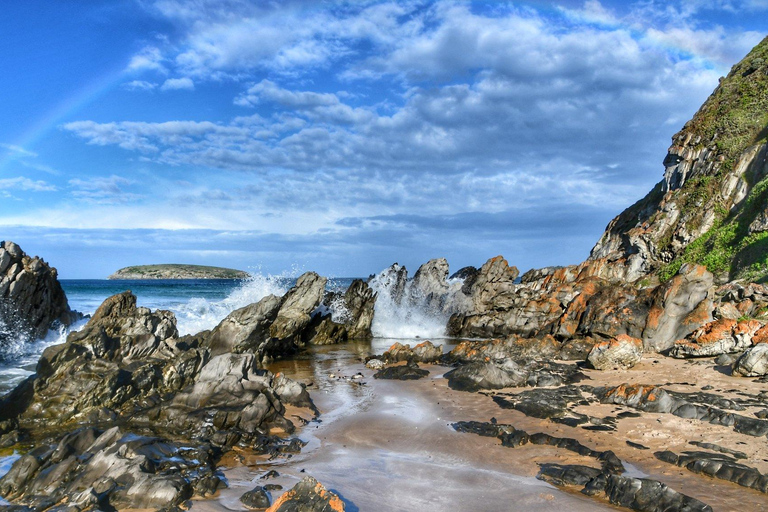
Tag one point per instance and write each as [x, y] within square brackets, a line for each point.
[711, 208]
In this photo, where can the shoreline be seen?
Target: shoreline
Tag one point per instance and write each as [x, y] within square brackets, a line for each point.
[395, 442]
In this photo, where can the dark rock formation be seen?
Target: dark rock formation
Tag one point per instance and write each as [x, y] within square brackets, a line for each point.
[718, 465]
[127, 368]
[257, 498]
[410, 371]
[541, 402]
[107, 470]
[504, 373]
[31, 298]
[639, 494]
[308, 495]
[656, 399]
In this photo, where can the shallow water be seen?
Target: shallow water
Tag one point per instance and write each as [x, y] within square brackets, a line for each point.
[388, 446]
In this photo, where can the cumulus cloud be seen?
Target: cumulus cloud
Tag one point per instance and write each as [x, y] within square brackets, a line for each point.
[175, 84]
[149, 58]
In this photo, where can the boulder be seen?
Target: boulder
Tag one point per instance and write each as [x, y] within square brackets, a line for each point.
[680, 306]
[486, 375]
[359, 300]
[424, 352]
[753, 363]
[256, 498]
[724, 336]
[308, 495]
[31, 298]
[245, 329]
[618, 353]
[410, 371]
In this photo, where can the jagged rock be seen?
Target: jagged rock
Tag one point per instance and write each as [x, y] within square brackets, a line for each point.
[257, 498]
[296, 307]
[110, 470]
[127, 366]
[391, 281]
[245, 329]
[621, 352]
[31, 298]
[308, 495]
[431, 282]
[424, 352]
[753, 363]
[680, 306]
[359, 300]
[722, 336]
[410, 371]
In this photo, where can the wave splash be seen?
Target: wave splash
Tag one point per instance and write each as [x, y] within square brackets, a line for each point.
[402, 310]
[199, 314]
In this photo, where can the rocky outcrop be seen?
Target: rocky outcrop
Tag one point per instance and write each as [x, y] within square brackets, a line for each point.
[720, 466]
[585, 301]
[308, 495]
[753, 363]
[724, 336]
[343, 317]
[31, 298]
[618, 353]
[127, 368]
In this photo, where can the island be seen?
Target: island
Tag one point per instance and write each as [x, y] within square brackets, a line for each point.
[177, 271]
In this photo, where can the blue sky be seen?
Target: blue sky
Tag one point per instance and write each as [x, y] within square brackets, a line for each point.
[343, 136]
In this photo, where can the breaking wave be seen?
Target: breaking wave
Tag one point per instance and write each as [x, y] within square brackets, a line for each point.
[199, 314]
[402, 311]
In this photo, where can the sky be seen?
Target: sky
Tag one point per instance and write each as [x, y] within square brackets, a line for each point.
[342, 137]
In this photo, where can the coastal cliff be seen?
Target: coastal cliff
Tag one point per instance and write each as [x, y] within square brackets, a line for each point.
[711, 207]
[177, 271]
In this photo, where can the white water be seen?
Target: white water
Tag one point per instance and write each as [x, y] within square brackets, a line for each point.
[200, 314]
[404, 316]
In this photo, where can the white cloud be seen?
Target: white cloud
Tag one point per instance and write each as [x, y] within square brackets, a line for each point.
[174, 84]
[149, 58]
[18, 151]
[26, 184]
[139, 85]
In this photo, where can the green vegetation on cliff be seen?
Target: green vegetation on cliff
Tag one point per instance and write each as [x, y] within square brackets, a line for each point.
[177, 271]
[734, 119]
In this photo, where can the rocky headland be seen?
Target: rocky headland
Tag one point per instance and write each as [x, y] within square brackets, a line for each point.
[639, 375]
[177, 271]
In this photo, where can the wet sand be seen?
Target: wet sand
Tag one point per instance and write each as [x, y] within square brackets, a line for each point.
[388, 445]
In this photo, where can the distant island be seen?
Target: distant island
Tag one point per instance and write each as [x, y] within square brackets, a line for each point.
[177, 271]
